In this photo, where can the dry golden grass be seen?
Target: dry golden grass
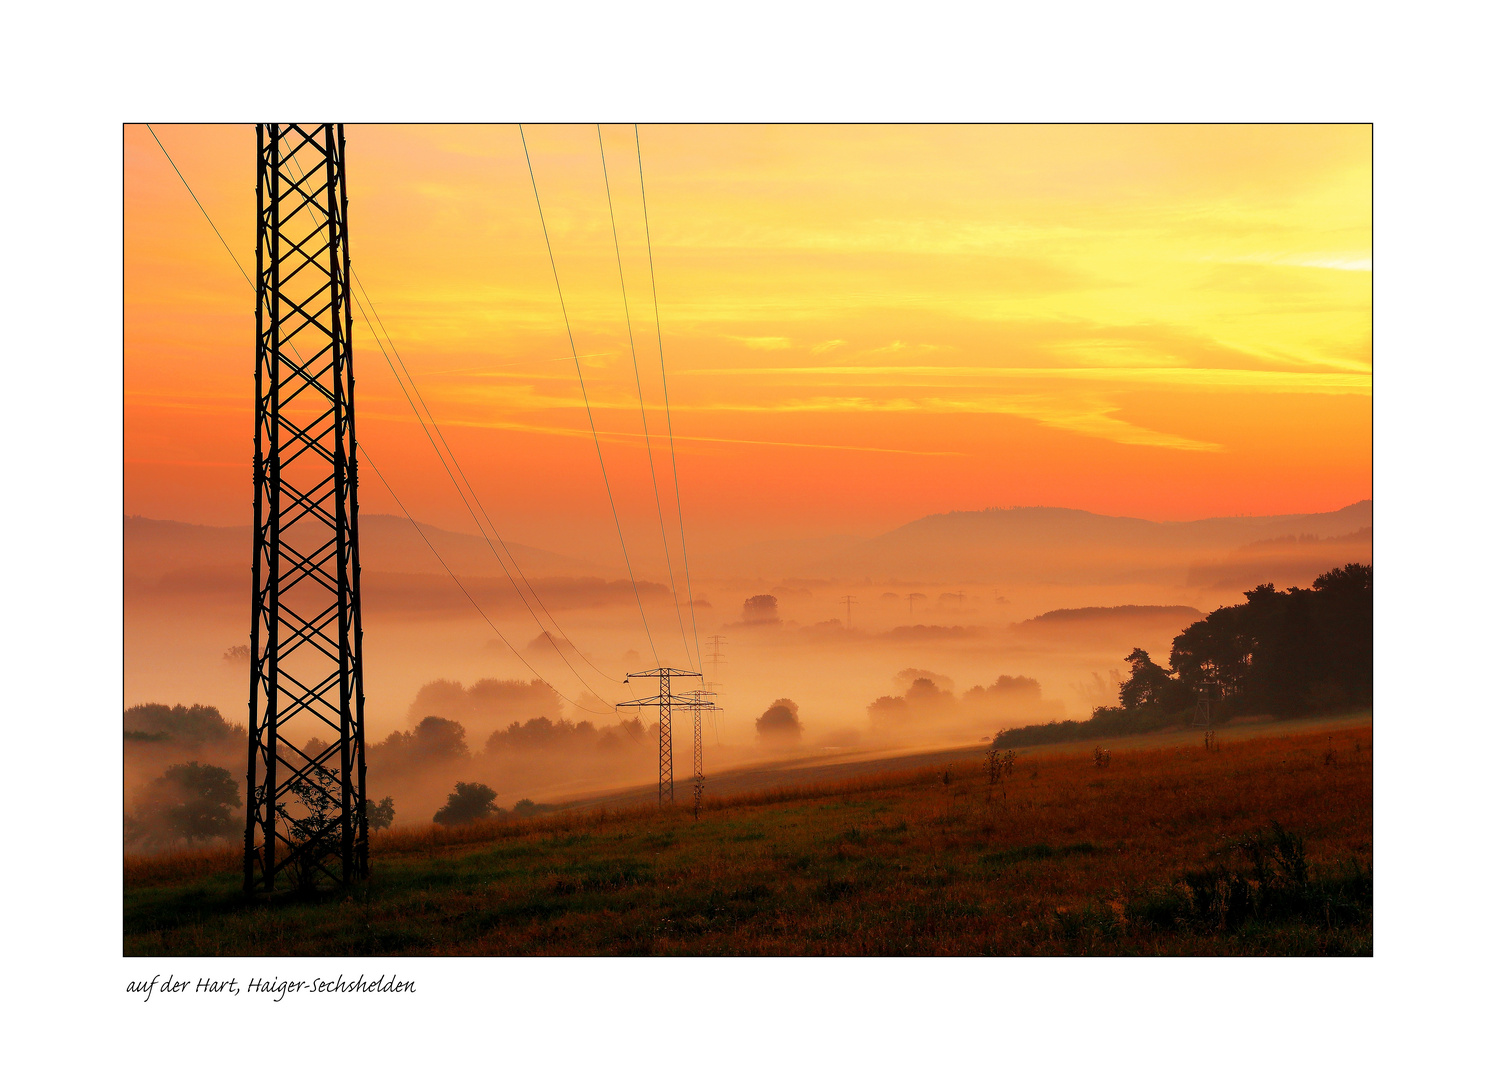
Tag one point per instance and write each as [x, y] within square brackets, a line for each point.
[1063, 857]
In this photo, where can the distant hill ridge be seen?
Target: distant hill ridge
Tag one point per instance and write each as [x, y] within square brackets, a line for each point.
[1056, 544]
[386, 543]
[1059, 524]
[1124, 611]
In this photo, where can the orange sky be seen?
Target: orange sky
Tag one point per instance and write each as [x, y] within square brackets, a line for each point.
[862, 325]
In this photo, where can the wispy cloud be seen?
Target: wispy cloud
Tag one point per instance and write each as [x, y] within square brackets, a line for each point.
[634, 436]
[1092, 415]
[763, 342]
[1331, 260]
[1352, 382]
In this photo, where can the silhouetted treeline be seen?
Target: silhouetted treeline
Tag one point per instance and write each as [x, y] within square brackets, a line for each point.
[181, 725]
[183, 770]
[437, 740]
[1300, 652]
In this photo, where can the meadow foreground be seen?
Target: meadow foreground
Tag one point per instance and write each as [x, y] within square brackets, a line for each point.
[1257, 846]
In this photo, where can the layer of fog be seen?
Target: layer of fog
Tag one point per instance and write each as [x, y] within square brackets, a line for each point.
[922, 662]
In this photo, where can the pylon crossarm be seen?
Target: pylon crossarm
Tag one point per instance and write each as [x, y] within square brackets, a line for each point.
[673, 699]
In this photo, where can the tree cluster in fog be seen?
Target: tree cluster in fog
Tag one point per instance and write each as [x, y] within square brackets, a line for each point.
[780, 723]
[1295, 652]
[930, 698]
[188, 726]
[437, 740]
[487, 705]
[189, 802]
[183, 773]
[762, 610]
[1299, 652]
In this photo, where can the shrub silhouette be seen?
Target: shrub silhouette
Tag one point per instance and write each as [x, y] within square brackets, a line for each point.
[380, 815]
[467, 802]
[780, 722]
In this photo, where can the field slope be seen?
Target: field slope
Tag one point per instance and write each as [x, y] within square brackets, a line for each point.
[1262, 846]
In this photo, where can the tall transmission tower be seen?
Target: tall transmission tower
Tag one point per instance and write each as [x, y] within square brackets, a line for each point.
[849, 600]
[665, 701]
[305, 807]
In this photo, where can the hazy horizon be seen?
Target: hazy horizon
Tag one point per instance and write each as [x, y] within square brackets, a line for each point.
[966, 375]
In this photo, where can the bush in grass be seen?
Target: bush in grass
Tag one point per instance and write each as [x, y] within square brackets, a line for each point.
[467, 802]
[780, 723]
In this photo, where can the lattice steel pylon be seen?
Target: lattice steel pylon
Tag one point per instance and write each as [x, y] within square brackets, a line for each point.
[665, 701]
[701, 701]
[305, 811]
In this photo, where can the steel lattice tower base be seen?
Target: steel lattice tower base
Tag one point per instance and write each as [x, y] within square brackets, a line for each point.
[701, 701]
[665, 700]
[306, 809]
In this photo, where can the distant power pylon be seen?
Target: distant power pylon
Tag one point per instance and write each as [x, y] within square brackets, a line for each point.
[849, 601]
[665, 700]
[716, 641]
[701, 703]
[305, 798]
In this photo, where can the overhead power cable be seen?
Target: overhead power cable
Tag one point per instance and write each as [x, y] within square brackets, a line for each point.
[585, 403]
[669, 426]
[457, 581]
[639, 385]
[546, 633]
[474, 516]
[188, 186]
[482, 509]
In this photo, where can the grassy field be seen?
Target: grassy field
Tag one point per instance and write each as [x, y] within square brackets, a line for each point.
[1262, 846]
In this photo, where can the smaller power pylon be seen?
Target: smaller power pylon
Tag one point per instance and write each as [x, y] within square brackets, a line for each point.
[665, 700]
[1209, 692]
[701, 702]
[849, 600]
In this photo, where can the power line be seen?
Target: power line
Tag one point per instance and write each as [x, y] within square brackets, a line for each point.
[669, 426]
[247, 280]
[639, 385]
[585, 403]
[473, 515]
[471, 490]
[456, 487]
[386, 483]
[458, 582]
